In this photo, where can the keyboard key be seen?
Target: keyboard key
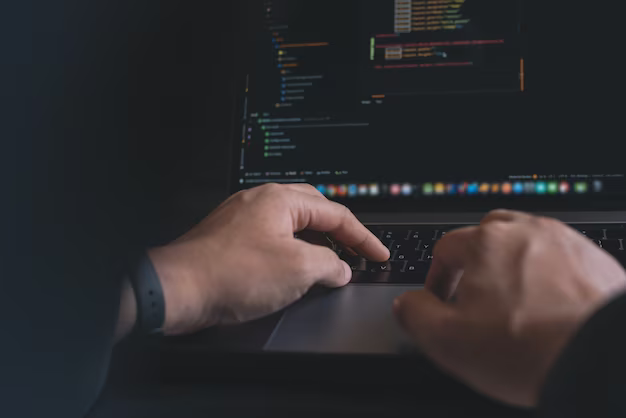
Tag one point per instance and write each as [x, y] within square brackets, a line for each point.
[416, 267]
[425, 256]
[404, 246]
[387, 267]
[615, 233]
[412, 267]
[592, 232]
[398, 266]
[614, 246]
[426, 246]
[412, 247]
[360, 265]
[406, 255]
[355, 262]
[393, 232]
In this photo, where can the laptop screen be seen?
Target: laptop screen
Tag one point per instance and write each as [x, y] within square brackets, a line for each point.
[424, 103]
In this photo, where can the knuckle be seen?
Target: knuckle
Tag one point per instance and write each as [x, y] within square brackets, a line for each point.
[493, 232]
[493, 216]
[547, 223]
[275, 193]
[497, 212]
[243, 196]
[310, 187]
[271, 188]
[344, 211]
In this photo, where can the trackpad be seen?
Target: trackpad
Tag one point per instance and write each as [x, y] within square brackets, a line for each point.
[354, 320]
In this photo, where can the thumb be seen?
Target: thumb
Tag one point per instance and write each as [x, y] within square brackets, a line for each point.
[425, 317]
[324, 267]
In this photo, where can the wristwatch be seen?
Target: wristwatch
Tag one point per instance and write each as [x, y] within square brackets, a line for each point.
[149, 295]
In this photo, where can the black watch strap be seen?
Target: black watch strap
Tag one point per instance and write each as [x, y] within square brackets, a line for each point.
[149, 296]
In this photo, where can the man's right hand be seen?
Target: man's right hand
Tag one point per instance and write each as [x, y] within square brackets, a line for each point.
[243, 262]
[503, 299]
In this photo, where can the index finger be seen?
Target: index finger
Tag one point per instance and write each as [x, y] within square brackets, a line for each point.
[450, 257]
[310, 212]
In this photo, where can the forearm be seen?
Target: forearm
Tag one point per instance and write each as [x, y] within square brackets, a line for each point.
[128, 312]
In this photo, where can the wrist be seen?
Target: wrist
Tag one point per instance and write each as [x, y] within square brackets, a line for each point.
[187, 309]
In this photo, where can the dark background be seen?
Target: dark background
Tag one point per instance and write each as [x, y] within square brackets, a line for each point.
[181, 95]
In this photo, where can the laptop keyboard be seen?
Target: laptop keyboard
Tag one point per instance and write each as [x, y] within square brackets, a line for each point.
[411, 250]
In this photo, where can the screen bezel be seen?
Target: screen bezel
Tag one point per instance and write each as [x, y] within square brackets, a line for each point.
[426, 204]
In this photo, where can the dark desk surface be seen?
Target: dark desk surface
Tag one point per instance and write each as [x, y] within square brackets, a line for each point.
[211, 375]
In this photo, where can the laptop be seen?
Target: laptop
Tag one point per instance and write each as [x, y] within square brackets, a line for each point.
[420, 116]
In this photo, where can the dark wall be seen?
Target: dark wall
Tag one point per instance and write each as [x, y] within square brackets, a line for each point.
[180, 85]
[180, 101]
[125, 103]
[113, 126]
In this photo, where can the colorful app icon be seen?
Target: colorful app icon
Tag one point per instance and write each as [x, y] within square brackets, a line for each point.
[541, 187]
[322, 189]
[331, 190]
[342, 190]
[374, 189]
[564, 187]
[363, 190]
[598, 186]
[484, 188]
[529, 187]
[472, 188]
[428, 189]
[353, 190]
[507, 188]
[495, 188]
[518, 188]
[407, 189]
[581, 187]
[440, 188]
[462, 188]
[395, 190]
[452, 189]
[553, 187]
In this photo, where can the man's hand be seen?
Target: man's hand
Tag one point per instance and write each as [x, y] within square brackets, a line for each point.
[243, 262]
[503, 299]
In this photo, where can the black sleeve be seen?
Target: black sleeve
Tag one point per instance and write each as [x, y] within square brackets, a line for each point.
[64, 208]
[589, 380]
